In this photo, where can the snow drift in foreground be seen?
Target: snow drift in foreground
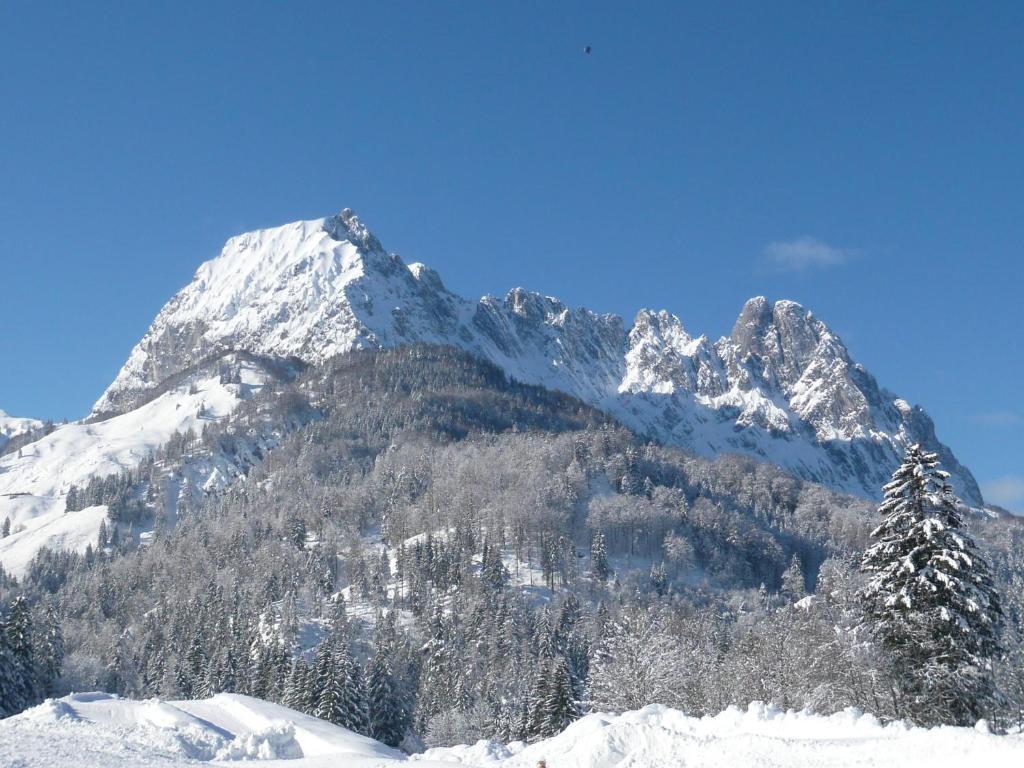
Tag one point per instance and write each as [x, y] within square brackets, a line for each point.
[93, 730]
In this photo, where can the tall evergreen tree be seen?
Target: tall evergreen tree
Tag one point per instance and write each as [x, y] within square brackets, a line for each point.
[440, 684]
[793, 583]
[295, 687]
[533, 726]
[387, 715]
[10, 703]
[116, 678]
[599, 558]
[330, 681]
[49, 651]
[23, 662]
[930, 603]
[196, 662]
[559, 705]
[356, 711]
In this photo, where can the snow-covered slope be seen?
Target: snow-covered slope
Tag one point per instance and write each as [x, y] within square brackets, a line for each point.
[11, 426]
[97, 730]
[782, 387]
[34, 481]
[71, 532]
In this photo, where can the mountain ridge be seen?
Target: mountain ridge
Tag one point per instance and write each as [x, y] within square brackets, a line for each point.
[781, 387]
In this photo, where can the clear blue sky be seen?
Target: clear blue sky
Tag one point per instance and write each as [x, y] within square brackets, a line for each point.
[480, 139]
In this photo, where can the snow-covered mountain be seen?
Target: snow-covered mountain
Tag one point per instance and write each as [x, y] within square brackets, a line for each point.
[11, 427]
[782, 387]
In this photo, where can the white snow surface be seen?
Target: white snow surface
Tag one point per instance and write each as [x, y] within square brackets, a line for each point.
[96, 729]
[782, 387]
[73, 531]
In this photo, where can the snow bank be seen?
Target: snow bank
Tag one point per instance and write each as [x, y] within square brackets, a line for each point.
[95, 730]
[658, 737]
[275, 741]
[236, 714]
[98, 730]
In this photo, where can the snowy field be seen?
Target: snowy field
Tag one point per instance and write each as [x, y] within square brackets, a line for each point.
[98, 730]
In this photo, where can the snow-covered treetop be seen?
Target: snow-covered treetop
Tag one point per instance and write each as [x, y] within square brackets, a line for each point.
[930, 599]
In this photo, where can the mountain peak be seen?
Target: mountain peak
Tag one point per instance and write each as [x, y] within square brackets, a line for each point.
[753, 319]
[347, 226]
[783, 334]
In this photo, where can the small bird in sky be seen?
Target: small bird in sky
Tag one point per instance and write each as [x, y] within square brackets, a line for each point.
[587, 49]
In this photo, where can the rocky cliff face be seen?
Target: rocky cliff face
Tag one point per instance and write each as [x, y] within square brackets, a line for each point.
[781, 387]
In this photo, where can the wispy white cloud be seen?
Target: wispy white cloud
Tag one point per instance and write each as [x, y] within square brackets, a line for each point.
[1006, 491]
[999, 418]
[805, 252]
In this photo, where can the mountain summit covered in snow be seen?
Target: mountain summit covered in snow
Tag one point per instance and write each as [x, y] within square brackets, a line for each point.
[781, 387]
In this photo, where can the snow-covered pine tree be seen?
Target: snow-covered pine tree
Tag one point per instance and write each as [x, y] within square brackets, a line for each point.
[383, 573]
[195, 665]
[794, 585]
[930, 603]
[439, 678]
[288, 626]
[559, 706]
[23, 662]
[49, 650]
[295, 687]
[533, 726]
[386, 714]
[493, 573]
[221, 673]
[659, 578]
[330, 681]
[599, 558]
[182, 685]
[339, 616]
[9, 703]
[117, 675]
[356, 711]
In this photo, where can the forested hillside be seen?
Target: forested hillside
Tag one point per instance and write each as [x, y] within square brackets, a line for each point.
[427, 552]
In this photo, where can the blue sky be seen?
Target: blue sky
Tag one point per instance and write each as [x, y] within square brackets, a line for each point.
[867, 163]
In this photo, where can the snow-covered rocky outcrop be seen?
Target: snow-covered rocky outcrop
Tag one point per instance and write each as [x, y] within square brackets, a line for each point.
[96, 730]
[782, 387]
